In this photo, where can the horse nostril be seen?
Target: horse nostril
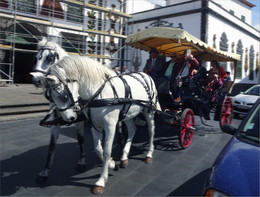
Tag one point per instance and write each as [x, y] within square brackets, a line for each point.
[72, 119]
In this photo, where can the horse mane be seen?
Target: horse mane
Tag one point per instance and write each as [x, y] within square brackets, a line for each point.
[81, 68]
[52, 44]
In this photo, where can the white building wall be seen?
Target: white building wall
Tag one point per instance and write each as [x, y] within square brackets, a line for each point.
[238, 7]
[217, 27]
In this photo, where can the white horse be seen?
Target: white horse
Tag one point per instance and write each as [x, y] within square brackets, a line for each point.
[108, 98]
[49, 53]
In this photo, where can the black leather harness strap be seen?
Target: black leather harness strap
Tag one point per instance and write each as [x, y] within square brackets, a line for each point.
[128, 96]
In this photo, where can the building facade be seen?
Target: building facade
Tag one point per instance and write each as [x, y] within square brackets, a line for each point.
[96, 28]
[224, 25]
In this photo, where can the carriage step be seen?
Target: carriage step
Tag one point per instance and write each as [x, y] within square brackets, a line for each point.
[169, 117]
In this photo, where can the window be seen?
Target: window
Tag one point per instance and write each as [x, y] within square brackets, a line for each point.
[239, 63]
[232, 12]
[73, 42]
[52, 9]
[74, 14]
[251, 129]
[243, 18]
[251, 63]
[224, 47]
[26, 6]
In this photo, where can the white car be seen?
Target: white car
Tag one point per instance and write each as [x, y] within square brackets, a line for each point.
[244, 101]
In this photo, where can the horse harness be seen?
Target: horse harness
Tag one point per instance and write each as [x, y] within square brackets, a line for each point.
[93, 102]
[127, 101]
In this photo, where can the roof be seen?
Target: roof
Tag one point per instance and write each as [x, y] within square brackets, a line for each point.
[167, 40]
[247, 3]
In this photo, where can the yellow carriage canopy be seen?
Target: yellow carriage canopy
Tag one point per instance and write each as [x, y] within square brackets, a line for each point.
[167, 40]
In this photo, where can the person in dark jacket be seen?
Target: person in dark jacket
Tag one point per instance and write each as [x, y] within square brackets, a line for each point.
[154, 65]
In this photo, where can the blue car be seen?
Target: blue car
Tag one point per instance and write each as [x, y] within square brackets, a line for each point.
[236, 170]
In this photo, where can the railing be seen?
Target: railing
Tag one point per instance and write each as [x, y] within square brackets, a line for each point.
[70, 11]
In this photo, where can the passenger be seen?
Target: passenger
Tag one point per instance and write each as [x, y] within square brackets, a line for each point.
[154, 65]
[170, 73]
[187, 67]
[217, 71]
[171, 67]
[215, 81]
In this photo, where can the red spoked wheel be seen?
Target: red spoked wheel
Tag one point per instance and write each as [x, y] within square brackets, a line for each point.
[226, 115]
[186, 127]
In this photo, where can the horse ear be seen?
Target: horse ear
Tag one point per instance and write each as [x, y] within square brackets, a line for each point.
[52, 79]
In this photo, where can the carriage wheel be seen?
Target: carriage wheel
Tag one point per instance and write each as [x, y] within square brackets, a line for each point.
[186, 127]
[226, 112]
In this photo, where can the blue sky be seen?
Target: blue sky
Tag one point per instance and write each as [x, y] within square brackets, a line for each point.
[255, 14]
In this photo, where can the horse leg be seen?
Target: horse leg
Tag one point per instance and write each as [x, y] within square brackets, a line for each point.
[109, 138]
[131, 132]
[43, 175]
[97, 139]
[81, 166]
[150, 121]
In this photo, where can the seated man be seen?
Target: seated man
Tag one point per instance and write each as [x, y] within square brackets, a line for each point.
[165, 84]
[154, 65]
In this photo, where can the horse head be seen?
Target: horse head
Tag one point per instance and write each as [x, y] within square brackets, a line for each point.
[48, 53]
[65, 95]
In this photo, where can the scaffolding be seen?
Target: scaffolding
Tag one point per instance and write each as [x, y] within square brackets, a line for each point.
[92, 28]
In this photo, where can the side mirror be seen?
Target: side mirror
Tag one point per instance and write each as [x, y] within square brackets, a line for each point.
[228, 129]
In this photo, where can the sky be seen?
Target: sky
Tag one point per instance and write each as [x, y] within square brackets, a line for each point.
[255, 14]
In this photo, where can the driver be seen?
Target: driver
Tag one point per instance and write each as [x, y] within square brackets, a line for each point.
[155, 65]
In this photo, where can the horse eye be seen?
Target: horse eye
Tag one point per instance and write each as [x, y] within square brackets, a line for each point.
[64, 96]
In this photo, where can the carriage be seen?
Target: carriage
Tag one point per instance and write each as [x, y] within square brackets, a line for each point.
[78, 86]
[197, 97]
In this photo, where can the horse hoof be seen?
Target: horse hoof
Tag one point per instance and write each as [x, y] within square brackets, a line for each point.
[81, 168]
[149, 160]
[116, 167]
[41, 179]
[98, 190]
[124, 163]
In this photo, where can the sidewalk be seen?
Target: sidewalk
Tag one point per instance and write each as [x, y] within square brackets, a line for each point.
[21, 101]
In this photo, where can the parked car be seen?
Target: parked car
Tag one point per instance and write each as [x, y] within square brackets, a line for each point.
[236, 169]
[245, 100]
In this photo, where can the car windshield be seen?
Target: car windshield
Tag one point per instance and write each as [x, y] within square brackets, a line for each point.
[253, 91]
[251, 129]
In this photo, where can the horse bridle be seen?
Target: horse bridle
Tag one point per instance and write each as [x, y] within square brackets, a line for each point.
[64, 95]
[51, 57]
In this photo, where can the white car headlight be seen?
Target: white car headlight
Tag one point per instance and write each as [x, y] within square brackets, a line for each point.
[214, 193]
